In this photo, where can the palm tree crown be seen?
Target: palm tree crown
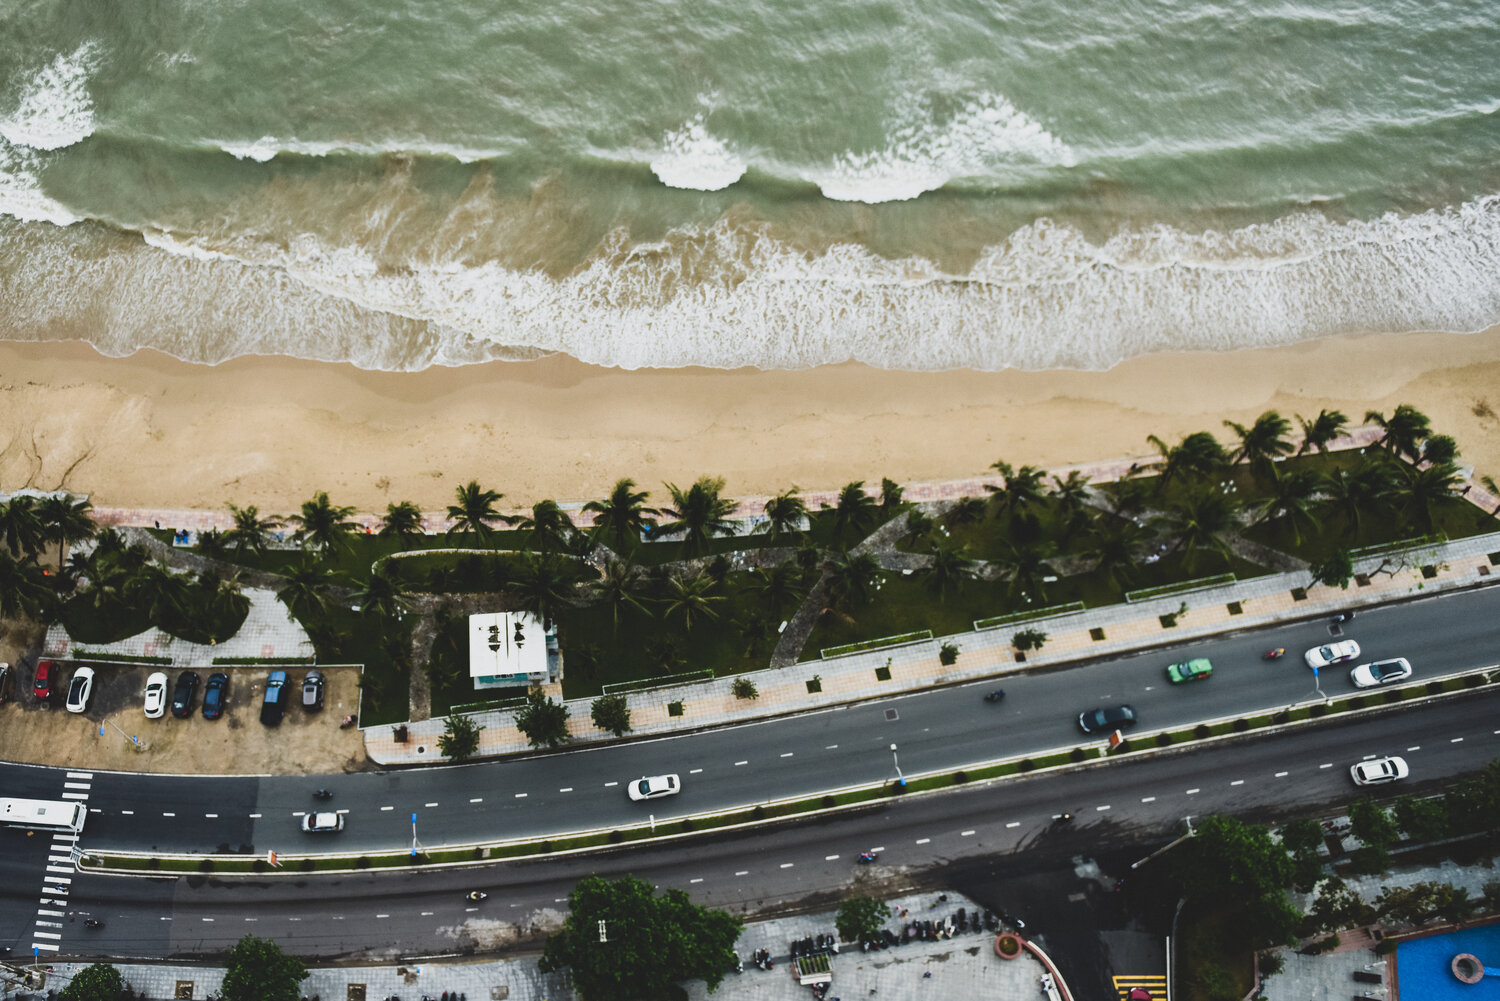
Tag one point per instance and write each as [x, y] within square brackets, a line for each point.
[21, 526]
[699, 513]
[403, 521]
[1404, 430]
[323, 524]
[784, 515]
[250, 530]
[549, 527]
[623, 516]
[65, 520]
[1322, 429]
[475, 509]
[855, 513]
[1262, 442]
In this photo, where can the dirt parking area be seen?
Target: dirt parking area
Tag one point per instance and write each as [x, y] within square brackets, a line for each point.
[235, 744]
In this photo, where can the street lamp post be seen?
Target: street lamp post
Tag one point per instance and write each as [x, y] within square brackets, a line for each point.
[134, 740]
[900, 779]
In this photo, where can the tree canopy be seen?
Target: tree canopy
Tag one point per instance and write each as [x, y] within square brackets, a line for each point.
[257, 970]
[543, 720]
[622, 942]
[99, 982]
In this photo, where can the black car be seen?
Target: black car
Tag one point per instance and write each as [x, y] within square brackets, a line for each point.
[215, 694]
[312, 691]
[1108, 718]
[185, 694]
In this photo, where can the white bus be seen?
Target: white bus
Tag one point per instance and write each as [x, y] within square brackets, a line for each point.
[43, 814]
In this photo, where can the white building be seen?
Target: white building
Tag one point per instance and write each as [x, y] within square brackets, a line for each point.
[511, 650]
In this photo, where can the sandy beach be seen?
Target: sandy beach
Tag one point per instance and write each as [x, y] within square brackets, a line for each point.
[151, 432]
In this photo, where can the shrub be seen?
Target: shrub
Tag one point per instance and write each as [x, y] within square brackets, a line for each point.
[1028, 639]
[1076, 754]
[1163, 740]
[1201, 730]
[815, 684]
[744, 688]
[674, 708]
[948, 654]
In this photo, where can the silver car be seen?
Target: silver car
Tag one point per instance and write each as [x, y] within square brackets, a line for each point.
[323, 823]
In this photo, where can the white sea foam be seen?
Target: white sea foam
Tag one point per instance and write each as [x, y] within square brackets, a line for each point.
[922, 154]
[55, 109]
[267, 148]
[1045, 298]
[692, 158]
[21, 195]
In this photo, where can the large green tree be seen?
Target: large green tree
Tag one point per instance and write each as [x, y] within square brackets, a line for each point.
[861, 918]
[543, 720]
[460, 737]
[622, 942]
[784, 515]
[402, 522]
[21, 526]
[612, 713]
[854, 515]
[257, 970]
[1405, 430]
[473, 509]
[621, 517]
[65, 520]
[324, 525]
[24, 591]
[250, 530]
[99, 982]
[1321, 430]
[1262, 443]
[548, 528]
[699, 513]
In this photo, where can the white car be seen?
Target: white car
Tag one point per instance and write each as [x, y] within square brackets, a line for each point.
[156, 695]
[1332, 653]
[1379, 770]
[323, 823]
[1380, 672]
[79, 689]
[654, 787]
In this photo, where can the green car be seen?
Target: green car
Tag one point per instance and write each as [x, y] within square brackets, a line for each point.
[1193, 670]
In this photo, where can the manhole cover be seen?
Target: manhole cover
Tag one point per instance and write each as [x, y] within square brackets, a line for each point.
[356, 993]
[184, 991]
[891, 715]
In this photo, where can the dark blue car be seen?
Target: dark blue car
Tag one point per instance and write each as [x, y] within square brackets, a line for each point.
[215, 695]
[274, 705]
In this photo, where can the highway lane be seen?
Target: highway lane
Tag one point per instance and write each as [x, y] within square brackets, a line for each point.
[1009, 823]
[945, 728]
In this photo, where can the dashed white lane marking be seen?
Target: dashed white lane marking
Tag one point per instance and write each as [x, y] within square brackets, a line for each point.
[609, 784]
[1415, 747]
[738, 763]
[427, 914]
[787, 865]
[164, 918]
[1101, 809]
[47, 934]
[252, 919]
[128, 813]
[1193, 792]
[477, 799]
[294, 919]
[386, 809]
[877, 850]
[966, 834]
[743, 872]
[830, 858]
[1238, 782]
[695, 771]
[52, 914]
[835, 747]
[522, 795]
[698, 880]
[1148, 799]
[211, 816]
[254, 816]
[924, 841]
[431, 805]
[207, 920]
[566, 789]
[1014, 823]
[1328, 765]
[1281, 775]
[169, 815]
[382, 915]
[470, 910]
[788, 754]
[1456, 740]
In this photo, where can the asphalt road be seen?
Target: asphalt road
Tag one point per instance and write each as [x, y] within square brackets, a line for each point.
[945, 728]
[1004, 826]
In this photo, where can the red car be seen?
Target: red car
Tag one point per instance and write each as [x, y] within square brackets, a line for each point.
[44, 675]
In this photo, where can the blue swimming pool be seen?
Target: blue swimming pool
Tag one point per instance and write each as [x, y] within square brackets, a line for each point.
[1423, 965]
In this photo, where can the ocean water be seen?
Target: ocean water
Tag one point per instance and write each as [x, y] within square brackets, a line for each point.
[914, 184]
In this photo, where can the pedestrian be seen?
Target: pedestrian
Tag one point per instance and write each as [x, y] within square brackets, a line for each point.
[927, 975]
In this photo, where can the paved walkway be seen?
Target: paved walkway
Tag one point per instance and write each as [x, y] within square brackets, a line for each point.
[964, 967]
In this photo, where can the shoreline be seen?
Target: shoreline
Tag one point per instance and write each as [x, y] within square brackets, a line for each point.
[150, 431]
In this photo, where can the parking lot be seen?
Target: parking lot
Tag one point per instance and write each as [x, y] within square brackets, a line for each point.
[236, 743]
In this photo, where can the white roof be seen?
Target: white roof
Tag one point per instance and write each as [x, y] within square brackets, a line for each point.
[507, 644]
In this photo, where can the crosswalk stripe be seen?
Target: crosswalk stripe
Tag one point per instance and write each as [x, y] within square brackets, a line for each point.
[44, 945]
[46, 934]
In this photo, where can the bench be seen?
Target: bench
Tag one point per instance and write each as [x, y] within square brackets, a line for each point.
[1366, 977]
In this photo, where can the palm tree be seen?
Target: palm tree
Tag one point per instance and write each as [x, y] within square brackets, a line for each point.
[1116, 549]
[1440, 450]
[690, 597]
[1072, 497]
[1262, 443]
[1022, 489]
[852, 582]
[402, 522]
[618, 587]
[1404, 430]
[784, 515]
[623, 516]
[919, 527]
[21, 526]
[306, 592]
[323, 525]
[1029, 569]
[24, 591]
[1322, 429]
[545, 586]
[382, 595]
[212, 544]
[474, 510]
[156, 592]
[250, 530]
[966, 511]
[699, 513]
[1293, 498]
[65, 520]
[892, 496]
[949, 569]
[1367, 490]
[779, 587]
[1200, 521]
[1198, 455]
[856, 513]
[549, 529]
[1494, 491]
[1417, 491]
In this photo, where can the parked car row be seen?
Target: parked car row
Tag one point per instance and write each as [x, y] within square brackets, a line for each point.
[160, 693]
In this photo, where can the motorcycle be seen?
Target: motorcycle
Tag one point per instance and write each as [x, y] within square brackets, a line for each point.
[995, 696]
[322, 794]
[867, 857]
[1273, 654]
[347, 723]
[475, 896]
[92, 923]
[1342, 617]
